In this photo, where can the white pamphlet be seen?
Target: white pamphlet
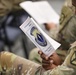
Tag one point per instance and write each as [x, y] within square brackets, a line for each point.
[39, 37]
[41, 11]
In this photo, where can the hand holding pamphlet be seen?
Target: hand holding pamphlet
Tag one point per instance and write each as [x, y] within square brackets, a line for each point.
[39, 37]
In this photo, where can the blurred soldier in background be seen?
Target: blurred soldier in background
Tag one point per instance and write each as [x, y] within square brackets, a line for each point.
[9, 11]
[7, 6]
[10, 5]
[11, 17]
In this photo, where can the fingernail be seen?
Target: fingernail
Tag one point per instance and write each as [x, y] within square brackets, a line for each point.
[39, 52]
[46, 58]
[51, 61]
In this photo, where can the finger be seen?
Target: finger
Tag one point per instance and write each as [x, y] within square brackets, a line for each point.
[51, 61]
[44, 57]
[47, 62]
[50, 58]
[52, 55]
[46, 67]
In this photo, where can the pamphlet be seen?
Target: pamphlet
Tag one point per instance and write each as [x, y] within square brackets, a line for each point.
[39, 37]
[41, 11]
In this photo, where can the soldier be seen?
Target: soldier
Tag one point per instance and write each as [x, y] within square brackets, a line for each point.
[9, 5]
[66, 32]
[66, 35]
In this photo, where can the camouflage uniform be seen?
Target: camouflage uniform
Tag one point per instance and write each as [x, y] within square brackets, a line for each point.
[11, 64]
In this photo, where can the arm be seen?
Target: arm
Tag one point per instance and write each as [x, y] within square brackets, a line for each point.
[12, 64]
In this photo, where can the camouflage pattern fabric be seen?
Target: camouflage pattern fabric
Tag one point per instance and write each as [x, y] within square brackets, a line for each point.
[67, 24]
[8, 5]
[11, 64]
[65, 33]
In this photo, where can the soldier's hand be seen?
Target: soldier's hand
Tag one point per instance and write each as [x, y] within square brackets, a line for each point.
[50, 62]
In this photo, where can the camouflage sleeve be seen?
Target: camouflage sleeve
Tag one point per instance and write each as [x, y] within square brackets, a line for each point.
[11, 64]
[8, 5]
[5, 6]
[67, 68]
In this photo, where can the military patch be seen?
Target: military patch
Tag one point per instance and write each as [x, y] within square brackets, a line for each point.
[73, 59]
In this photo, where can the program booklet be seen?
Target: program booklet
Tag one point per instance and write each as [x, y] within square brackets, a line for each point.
[39, 37]
[41, 11]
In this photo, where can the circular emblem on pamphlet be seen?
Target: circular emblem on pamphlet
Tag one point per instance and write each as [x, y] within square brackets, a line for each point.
[39, 38]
